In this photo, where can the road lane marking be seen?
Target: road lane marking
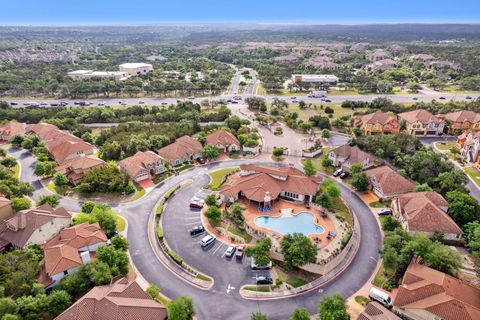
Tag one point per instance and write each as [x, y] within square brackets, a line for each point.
[217, 248]
[191, 223]
[190, 213]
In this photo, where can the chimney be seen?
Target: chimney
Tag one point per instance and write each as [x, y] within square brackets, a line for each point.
[85, 255]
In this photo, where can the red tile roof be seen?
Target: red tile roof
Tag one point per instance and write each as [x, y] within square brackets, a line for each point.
[376, 117]
[424, 288]
[420, 115]
[422, 212]
[462, 116]
[375, 311]
[119, 301]
[390, 181]
[137, 163]
[11, 128]
[222, 137]
[352, 154]
[183, 147]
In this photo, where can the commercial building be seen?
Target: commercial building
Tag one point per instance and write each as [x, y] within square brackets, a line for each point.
[135, 69]
[326, 79]
[117, 301]
[90, 74]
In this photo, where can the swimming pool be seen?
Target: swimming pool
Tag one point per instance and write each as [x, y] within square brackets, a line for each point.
[288, 223]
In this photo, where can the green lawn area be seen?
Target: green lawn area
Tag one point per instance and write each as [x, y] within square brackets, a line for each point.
[139, 192]
[219, 177]
[335, 92]
[16, 170]
[240, 233]
[317, 162]
[259, 288]
[58, 190]
[383, 204]
[382, 277]
[120, 223]
[445, 146]
[295, 282]
[338, 111]
[456, 89]
[473, 173]
[259, 89]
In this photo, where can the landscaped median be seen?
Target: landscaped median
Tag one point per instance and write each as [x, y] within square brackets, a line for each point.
[168, 257]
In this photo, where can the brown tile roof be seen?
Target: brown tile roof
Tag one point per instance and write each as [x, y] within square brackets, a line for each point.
[257, 184]
[420, 115]
[19, 228]
[462, 116]
[375, 311]
[60, 144]
[80, 164]
[422, 212]
[119, 301]
[436, 292]
[222, 137]
[135, 164]
[352, 154]
[12, 128]
[376, 117]
[390, 181]
[183, 147]
[62, 251]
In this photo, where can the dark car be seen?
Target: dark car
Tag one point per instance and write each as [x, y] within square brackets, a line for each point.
[13, 103]
[234, 102]
[385, 212]
[196, 231]
[201, 160]
[197, 204]
[344, 174]
[337, 172]
[264, 280]
[328, 100]
[442, 98]
[468, 97]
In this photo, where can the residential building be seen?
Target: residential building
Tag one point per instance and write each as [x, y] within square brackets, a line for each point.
[90, 74]
[287, 59]
[381, 65]
[326, 79]
[397, 49]
[426, 293]
[11, 128]
[377, 122]
[264, 184]
[62, 145]
[442, 64]
[424, 58]
[426, 212]
[75, 169]
[421, 122]
[345, 156]
[33, 226]
[134, 69]
[387, 183]
[120, 300]
[360, 46]
[183, 149]
[224, 140]
[462, 120]
[142, 165]
[71, 248]
[377, 55]
[6, 210]
[375, 311]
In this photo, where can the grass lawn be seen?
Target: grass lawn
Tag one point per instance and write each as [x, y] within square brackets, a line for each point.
[382, 277]
[240, 233]
[445, 146]
[219, 177]
[338, 111]
[120, 223]
[58, 190]
[295, 282]
[16, 170]
[259, 89]
[473, 173]
[259, 288]
[203, 277]
[383, 204]
[335, 92]
[317, 162]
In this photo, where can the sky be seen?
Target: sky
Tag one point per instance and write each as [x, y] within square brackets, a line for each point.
[138, 12]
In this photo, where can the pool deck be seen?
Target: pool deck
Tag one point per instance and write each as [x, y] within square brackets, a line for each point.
[251, 213]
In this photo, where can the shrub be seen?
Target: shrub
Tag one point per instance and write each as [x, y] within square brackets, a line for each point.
[175, 257]
[52, 200]
[21, 204]
[213, 213]
[159, 233]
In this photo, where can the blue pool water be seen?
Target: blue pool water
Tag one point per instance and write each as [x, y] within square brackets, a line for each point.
[288, 223]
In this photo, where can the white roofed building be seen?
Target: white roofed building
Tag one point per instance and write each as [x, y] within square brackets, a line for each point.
[136, 68]
[315, 78]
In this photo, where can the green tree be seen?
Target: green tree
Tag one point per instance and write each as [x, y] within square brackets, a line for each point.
[16, 140]
[298, 250]
[22, 203]
[333, 308]
[104, 215]
[117, 260]
[7, 306]
[44, 168]
[88, 206]
[462, 207]
[360, 181]
[308, 168]
[181, 309]
[356, 168]
[8, 162]
[213, 213]
[333, 191]
[390, 224]
[260, 252]
[327, 163]
[210, 151]
[3, 152]
[300, 314]
[472, 235]
[324, 200]
[119, 243]
[58, 301]
[153, 291]
[325, 133]
[278, 152]
[52, 200]
[60, 180]
[234, 123]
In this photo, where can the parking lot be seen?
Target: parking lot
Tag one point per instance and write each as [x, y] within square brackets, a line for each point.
[229, 273]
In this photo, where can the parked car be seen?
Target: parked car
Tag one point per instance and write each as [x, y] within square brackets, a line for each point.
[344, 174]
[230, 251]
[196, 203]
[264, 280]
[337, 172]
[468, 97]
[141, 102]
[164, 103]
[191, 97]
[385, 212]
[293, 98]
[197, 231]
[442, 98]
[240, 251]
[201, 160]
[13, 103]
[380, 296]
[328, 100]
[415, 98]
[208, 240]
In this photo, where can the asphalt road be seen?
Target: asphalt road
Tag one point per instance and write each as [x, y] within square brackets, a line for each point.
[217, 303]
[158, 101]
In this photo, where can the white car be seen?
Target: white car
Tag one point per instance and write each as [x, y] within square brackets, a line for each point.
[230, 251]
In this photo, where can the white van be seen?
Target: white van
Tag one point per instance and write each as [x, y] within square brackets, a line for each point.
[380, 296]
[208, 240]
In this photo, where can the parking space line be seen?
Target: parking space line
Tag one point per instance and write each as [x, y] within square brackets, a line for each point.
[191, 218]
[221, 244]
[190, 213]
[190, 223]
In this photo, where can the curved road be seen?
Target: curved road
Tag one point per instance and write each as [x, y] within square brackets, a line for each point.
[217, 303]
